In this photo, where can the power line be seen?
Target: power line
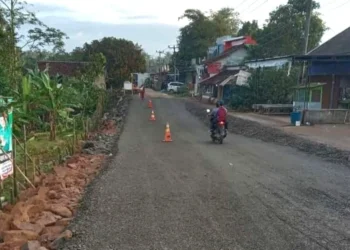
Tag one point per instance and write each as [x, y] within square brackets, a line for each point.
[240, 3]
[341, 5]
[250, 5]
[259, 6]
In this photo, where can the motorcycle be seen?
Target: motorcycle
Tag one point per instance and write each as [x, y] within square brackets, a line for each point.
[219, 133]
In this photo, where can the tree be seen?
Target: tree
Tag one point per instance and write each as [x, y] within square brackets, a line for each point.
[201, 32]
[268, 85]
[122, 57]
[14, 14]
[284, 32]
[249, 29]
[225, 21]
[196, 37]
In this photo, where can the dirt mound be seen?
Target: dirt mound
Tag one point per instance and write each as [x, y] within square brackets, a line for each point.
[268, 134]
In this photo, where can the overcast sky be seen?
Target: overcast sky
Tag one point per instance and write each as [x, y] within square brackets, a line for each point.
[154, 23]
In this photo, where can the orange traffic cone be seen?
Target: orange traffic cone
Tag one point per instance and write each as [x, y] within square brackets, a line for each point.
[167, 136]
[150, 104]
[153, 117]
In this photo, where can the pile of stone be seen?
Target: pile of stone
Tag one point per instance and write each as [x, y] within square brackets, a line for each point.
[39, 219]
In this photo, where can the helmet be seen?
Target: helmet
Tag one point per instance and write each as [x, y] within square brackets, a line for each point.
[220, 103]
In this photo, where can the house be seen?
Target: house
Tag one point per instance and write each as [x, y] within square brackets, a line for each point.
[69, 69]
[219, 86]
[193, 74]
[231, 51]
[328, 74]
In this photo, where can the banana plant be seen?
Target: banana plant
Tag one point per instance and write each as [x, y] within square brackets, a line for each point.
[51, 100]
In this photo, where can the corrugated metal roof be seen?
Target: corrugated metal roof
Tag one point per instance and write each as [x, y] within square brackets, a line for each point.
[219, 78]
[225, 54]
[338, 45]
[62, 68]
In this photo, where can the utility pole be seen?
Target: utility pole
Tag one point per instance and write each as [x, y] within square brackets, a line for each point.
[159, 83]
[306, 44]
[174, 58]
[160, 52]
[306, 34]
[307, 25]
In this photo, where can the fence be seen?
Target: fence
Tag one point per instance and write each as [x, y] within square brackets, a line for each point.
[27, 167]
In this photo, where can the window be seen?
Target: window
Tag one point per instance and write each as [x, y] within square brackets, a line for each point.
[300, 95]
[316, 95]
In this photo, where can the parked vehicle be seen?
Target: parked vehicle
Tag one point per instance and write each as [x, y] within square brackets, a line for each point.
[174, 86]
[219, 133]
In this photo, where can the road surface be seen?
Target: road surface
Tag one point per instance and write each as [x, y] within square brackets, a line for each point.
[191, 194]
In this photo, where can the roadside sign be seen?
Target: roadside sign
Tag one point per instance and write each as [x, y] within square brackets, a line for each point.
[6, 120]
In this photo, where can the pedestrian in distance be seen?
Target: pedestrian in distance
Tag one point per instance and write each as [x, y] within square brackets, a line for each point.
[142, 91]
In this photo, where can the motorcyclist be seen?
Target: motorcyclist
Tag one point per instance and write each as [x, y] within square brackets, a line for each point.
[213, 118]
[222, 114]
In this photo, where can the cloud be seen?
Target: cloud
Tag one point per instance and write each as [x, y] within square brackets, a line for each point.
[161, 36]
[158, 18]
[141, 17]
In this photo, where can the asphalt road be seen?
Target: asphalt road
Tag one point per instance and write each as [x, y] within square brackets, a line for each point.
[191, 194]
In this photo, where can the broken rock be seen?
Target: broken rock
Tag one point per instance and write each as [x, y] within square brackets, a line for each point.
[64, 222]
[47, 219]
[42, 192]
[19, 235]
[12, 245]
[52, 194]
[34, 212]
[61, 210]
[19, 211]
[64, 236]
[31, 245]
[4, 223]
[18, 225]
[72, 165]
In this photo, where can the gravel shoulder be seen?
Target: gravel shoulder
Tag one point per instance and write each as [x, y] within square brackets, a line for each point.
[269, 134]
[191, 194]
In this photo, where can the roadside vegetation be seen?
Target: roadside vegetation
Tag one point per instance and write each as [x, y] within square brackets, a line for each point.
[51, 114]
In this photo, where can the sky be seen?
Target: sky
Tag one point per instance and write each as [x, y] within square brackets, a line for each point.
[154, 24]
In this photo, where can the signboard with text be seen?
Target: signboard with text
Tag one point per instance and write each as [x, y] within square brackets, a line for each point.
[127, 85]
[6, 120]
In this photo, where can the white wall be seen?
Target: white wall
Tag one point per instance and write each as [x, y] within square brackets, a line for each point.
[277, 63]
[236, 58]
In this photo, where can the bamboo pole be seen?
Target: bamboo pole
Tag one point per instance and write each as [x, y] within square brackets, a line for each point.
[25, 150]
[11, 196]
[34, 172]
[13, 161]
[15, 169]
[28, 156]
[1, 192]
